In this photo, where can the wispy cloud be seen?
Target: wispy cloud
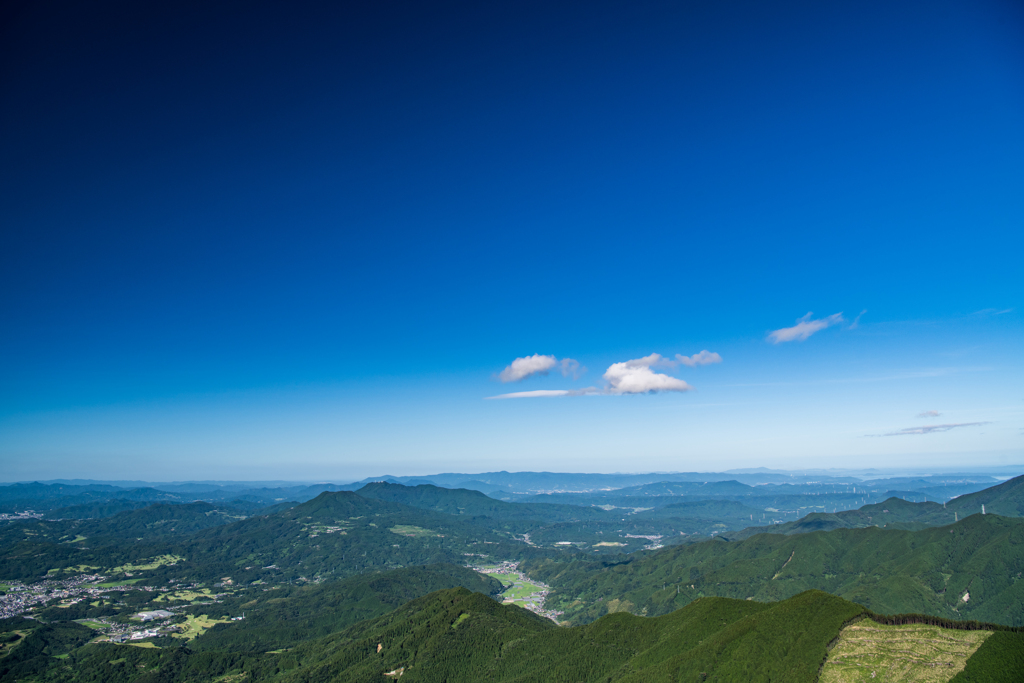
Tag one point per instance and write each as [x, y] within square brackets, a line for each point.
[546, 393]
[705, 357]
[804, 328]
[524, 367]
[570, 368]
[856, 321]
[993, 311]
[929, 429]
[636, 377]
[929, 413]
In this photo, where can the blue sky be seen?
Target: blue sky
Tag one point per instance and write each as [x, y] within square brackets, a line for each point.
[244, 241]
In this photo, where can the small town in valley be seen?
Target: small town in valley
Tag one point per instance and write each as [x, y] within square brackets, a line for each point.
[519, 589]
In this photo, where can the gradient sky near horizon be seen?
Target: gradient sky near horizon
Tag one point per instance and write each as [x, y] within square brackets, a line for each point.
[254, 240]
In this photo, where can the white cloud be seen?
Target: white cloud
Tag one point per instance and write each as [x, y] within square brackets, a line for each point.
[804, 328]
[546, 393]
[521, 368]
[636, 377]
[703, 358]
[929, 413]
[540, 393]
[629, 377]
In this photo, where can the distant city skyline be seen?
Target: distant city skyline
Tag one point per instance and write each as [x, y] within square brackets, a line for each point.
[327, 242]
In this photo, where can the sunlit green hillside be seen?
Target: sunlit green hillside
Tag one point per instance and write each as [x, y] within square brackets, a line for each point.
[969, 570]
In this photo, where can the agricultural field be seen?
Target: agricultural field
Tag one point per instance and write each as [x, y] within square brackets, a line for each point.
[95, 625]
[146, 565]
[911, 653]
[195, 626]
[77, 569]
[115, 584]
[185, 596]
[413, 531]
[519, 590]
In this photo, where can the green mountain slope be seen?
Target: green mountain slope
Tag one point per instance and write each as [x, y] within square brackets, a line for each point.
[1000, 659]
[332, 536]
[284, 617]
[457, 636]
[37, 650]
[158, 520]
[146, 523]
[688, 488]
[446, 635]
[96, 510]
[335, 535]
[587, 527]
[929, 571]
[1006, 499]
[475, 504]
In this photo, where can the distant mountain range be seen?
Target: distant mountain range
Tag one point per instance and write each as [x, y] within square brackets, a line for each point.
[527, 482]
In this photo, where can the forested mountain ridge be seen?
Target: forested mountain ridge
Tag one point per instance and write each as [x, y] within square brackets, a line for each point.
[160, 519]
[41, 497]
[1006, 499]
[334, 535]
[475, 504]
[288, 615]
[969, 570]
[719, 638]
[138, 523]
